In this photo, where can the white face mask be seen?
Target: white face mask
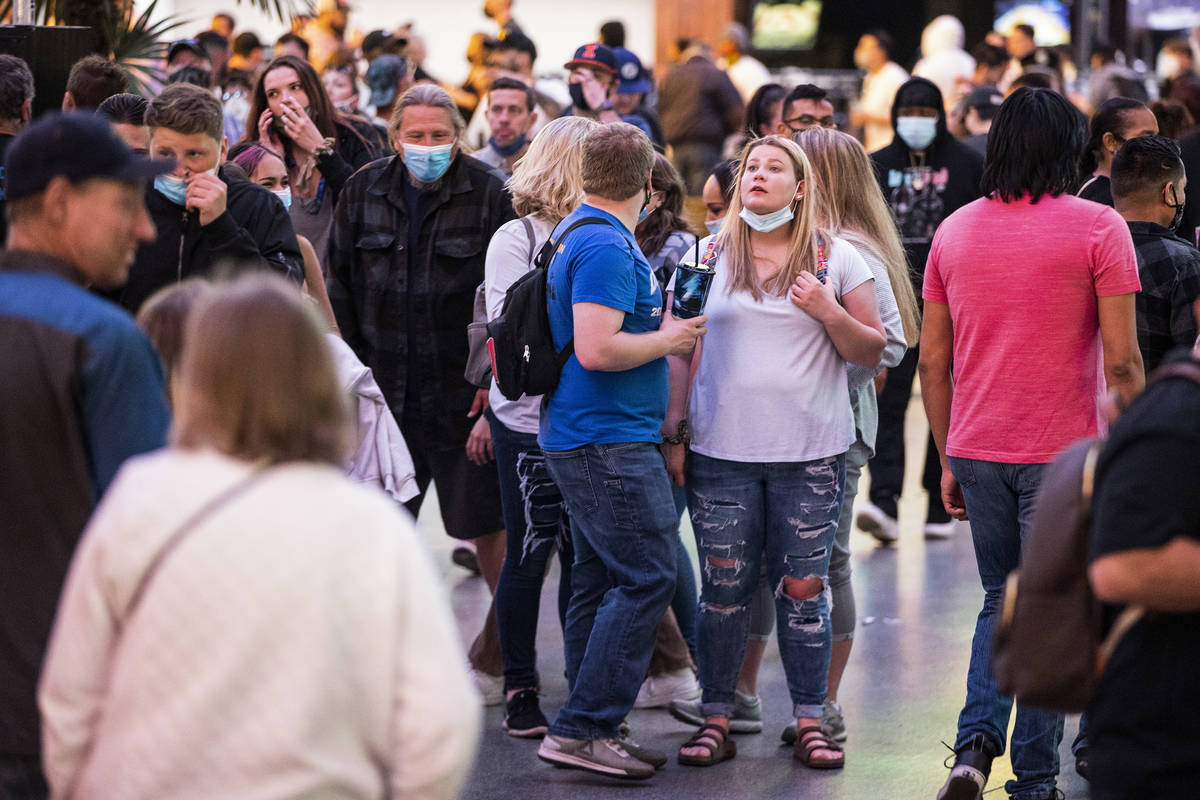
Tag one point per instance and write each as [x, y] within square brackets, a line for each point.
[917, 132]
[765, 223]
[714, 225]
[285, 196]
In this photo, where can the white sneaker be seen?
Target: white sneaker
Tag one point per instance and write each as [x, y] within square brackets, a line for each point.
[491, 687]
[659, 690]
[871, 519]
[940, 530]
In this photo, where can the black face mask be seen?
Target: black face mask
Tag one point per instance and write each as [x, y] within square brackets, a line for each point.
[1178, 206]
[577, 98]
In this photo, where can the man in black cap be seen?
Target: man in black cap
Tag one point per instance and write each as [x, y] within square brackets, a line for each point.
[80, 387]
[592, 84]
[187, 53]
[926, 174]
[979, 106]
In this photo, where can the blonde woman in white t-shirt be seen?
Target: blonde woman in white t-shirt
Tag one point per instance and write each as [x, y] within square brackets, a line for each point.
[769, 415]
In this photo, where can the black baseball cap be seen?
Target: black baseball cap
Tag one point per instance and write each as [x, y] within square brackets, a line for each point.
[185, 44]
[596, 56]
[984, 97]
[77, 146]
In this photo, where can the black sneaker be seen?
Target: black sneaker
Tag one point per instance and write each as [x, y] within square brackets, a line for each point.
[523, 716]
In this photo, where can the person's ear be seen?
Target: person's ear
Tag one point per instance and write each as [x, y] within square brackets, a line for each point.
[224, 150]
[26, 110]
[55, 199]
[68, 103]
[1110, 142]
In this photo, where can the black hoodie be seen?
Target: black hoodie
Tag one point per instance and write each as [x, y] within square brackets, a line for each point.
[922, 194]
[255, 230]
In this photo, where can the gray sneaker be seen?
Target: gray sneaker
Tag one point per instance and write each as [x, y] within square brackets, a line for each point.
[833, 724]
[601, 756]
[747, 713]
[655, 758]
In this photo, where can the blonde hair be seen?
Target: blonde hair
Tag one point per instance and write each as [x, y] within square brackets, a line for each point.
[164, 318]
[852, 204]
[547, 181]
[805, 233]
[257, 379]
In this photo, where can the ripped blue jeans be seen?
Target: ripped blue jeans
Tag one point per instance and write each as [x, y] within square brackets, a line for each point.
[785, 513]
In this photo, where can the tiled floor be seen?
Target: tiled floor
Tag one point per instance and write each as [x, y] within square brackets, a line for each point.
[902, 691]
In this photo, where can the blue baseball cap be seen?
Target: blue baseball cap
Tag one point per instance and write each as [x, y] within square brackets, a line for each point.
[631, 75]
[77, 146]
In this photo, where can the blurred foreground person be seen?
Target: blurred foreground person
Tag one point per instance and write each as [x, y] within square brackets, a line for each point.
[242, 620]
[80, 388]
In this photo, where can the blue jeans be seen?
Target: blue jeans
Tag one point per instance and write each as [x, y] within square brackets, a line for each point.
[1000, 499]
[787, 514]
[536, 522]
[625, 529]
[684, 601]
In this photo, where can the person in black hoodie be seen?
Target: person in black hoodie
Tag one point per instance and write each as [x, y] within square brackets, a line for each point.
[202, 217]
[925, 174]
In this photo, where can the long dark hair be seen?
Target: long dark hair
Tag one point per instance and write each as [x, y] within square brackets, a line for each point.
[654, 231]
[1109, 118]
[321, 110]
[758, 110]
[1031, 146]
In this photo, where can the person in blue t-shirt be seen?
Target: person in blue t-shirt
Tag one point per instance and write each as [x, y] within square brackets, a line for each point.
[600, 431]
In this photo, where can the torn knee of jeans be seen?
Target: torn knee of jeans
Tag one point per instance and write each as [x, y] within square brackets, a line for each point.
[801, 589]
[721, 571]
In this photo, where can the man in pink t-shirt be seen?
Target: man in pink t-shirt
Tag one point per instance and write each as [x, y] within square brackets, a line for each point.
[1029, 293]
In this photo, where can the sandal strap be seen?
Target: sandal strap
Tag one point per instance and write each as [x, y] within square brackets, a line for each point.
[703, 738]
[819, 741]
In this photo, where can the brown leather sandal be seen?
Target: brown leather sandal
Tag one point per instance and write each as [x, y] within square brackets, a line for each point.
[715, 740]
[807, 744]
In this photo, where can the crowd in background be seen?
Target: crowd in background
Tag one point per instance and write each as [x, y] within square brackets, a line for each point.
[1013, 227]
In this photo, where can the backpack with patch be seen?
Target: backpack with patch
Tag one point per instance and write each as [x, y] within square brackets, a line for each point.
[520, 345]
[1050, 647]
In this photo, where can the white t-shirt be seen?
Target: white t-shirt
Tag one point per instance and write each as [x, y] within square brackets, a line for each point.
[770, 385]
[509, 256]
[878, 94]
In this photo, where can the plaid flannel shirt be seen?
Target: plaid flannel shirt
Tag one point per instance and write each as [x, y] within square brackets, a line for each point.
[374, 282]
[1169, 269]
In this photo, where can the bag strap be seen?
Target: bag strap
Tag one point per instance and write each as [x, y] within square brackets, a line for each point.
[1180, 369]
[531, 236]
[564, 355]
[190, 524]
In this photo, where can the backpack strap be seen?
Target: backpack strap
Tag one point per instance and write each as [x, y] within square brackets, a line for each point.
[546, 255]
[529, 234]
[1180, 369]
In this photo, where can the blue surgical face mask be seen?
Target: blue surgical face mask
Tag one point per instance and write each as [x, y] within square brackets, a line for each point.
[172, 187]
[285, 196]
[427, 164]
[917, 132]
[510, 150]
[714, 225]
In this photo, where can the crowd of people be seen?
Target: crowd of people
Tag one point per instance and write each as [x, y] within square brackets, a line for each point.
[236, 314]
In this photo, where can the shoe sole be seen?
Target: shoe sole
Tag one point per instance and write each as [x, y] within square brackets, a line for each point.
[536, 732]
[663, 702]
[575, 762]
[467, 560]
[788, 737]
[735, 725]
[874, 528]
[939, 536]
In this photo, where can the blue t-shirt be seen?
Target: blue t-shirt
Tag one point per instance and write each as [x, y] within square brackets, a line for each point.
[603, 264]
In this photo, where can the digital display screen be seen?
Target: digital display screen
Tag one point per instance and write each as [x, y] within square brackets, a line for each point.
[784, 24]
[1051, 20]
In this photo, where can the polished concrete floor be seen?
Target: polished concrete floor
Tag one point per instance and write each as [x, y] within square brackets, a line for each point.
[902, 691]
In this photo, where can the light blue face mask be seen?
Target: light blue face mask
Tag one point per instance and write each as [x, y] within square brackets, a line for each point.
[427, 164]
[714, 225]
[285, 196]
[917, 132]
[172, 187]
[765, 223]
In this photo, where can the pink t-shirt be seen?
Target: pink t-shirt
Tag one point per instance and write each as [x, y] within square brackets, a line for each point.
[1021, 281]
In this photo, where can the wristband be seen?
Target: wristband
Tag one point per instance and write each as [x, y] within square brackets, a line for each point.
[681, 435]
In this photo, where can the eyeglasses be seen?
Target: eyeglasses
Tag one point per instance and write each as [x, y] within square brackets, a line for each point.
[806, 121]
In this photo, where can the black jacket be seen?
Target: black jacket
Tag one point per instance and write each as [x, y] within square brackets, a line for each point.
[254, 231]
[402, 283]
[922, 195]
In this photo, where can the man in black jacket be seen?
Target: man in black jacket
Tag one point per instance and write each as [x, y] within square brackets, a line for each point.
[202, 218]
[925, 174]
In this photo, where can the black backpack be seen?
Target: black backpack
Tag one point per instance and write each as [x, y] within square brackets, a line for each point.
[520, 345]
